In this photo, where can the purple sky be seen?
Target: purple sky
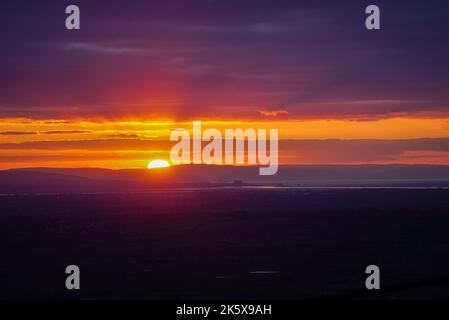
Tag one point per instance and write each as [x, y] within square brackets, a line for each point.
[224, 59]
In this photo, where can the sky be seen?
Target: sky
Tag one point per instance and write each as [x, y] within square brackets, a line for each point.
[109, 94]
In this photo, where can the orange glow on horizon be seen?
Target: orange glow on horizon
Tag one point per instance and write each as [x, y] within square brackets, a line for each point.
[130, 143]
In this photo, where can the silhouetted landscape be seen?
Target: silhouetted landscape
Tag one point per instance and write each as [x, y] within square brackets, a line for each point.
[83, 180]
[232, 242]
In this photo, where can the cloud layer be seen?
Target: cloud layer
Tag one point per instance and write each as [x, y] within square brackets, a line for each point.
[224, 60]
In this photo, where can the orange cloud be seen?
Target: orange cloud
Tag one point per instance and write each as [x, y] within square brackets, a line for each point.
[131, 143]
[273, 113]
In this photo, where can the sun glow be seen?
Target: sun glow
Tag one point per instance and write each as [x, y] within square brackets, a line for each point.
[155, 164]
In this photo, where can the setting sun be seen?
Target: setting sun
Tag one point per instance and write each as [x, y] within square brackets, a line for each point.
[158, 164]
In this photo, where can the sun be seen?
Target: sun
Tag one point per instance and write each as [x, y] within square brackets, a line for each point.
[155, 164]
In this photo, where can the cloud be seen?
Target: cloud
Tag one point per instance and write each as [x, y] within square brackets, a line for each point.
[17, 133]
[273, 113]
[23, 133]
[100, 49]
[93, 145]
[129, 150]
[363, 151]
[333, 151]
[66, 131]
[124, 135]
[223, 61]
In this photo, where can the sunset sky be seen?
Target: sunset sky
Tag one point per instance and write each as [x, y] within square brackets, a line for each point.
[108, 95]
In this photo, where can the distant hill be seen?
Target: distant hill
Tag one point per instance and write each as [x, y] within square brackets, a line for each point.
[51, 180]
[30, 181]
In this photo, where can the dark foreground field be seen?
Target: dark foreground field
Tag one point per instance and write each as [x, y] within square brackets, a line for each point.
[237, 243]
